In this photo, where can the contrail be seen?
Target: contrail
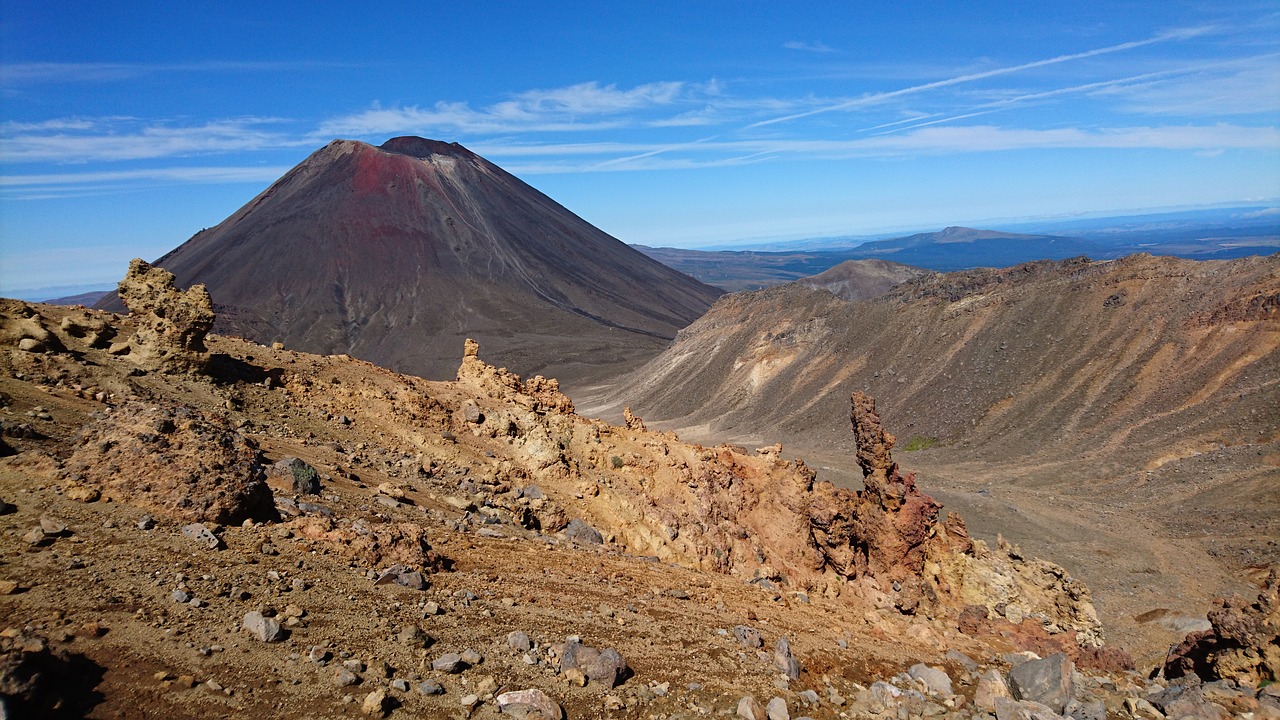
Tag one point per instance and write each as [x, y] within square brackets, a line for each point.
[1182, 34]
[986, 108]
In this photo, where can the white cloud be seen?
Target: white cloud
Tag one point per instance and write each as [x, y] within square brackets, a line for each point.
[257, 173]
[585, 106]
[813, 47]
[13, 74]
[924, 141]
[1239, 88]
[78, 140]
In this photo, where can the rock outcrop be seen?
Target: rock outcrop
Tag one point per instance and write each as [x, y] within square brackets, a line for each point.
[175, 460]
[171, 323]
[1243, 644]
[767, 519]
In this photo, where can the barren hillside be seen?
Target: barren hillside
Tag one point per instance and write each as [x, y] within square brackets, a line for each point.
[1123, 416]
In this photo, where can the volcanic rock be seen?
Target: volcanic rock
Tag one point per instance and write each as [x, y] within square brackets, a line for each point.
[1243, 644]
[171, 324]
[1046, 681]
[522, 702]
[180, 462]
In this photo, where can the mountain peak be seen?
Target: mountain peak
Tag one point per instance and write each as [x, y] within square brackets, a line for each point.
[421, 147]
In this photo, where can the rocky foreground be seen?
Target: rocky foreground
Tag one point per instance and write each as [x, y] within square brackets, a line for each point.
[194, 525]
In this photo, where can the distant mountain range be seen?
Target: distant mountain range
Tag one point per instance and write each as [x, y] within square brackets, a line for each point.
[960, 248]
[396, 254]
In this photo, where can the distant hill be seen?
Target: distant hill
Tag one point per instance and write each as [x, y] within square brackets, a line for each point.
[862, 279]
[87, 298]
[739, 270]
[960, 248]
[954, 248]
[395, 254]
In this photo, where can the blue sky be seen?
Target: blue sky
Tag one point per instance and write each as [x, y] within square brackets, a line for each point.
[127, 127]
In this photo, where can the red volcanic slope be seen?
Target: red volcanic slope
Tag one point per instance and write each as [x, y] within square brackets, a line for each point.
[395, 254]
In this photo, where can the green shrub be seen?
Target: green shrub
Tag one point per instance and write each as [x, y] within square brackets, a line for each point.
[919, 443]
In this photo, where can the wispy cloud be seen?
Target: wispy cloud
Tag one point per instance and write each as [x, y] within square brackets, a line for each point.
[1244, 87]
[881, 97]
[585, 106]
[813, 47]
[227, 174]
[924, 141]
[12, 74]
[80, 140]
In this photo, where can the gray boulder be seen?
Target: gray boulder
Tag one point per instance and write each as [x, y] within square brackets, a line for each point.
[1046, 681]
[582, 532]
[935, 680]
[784, 661]
[600, 666]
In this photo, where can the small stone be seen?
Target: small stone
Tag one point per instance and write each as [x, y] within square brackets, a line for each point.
[180, 596]
[375, 703]
[471, 657]
[402, 575]
[750, 709]
[777, 709]
[52, 526]
[934, 679]
[430, 687]
[186, 682]
[519, 641]
[146, 522]
[784, 661]
[31, 345]
[8, 587]
[469, 701]
[575, 677]
[34, 536]
[431, 608]
[748, 636]
[412, 636]
[318, 655]
[263, 628]
[449, 663]
[400, 684]
[522, 702]
[198, 533]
